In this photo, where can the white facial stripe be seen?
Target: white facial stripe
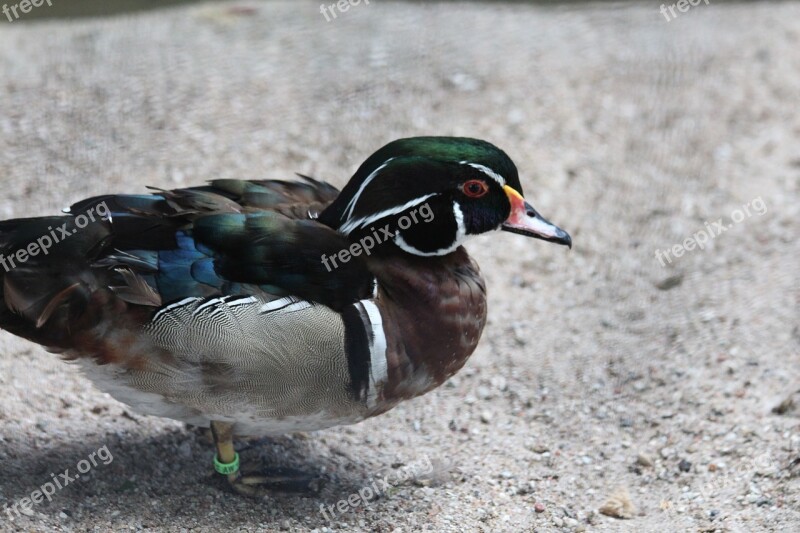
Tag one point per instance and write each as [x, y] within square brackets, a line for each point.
[378, 368]
[350, 225]
[351, 205]
[461, 233]
[488, 171]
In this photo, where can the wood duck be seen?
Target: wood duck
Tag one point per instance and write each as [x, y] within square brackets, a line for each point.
[266, 307]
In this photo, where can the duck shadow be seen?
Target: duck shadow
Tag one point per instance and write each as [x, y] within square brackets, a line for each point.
[166, 480]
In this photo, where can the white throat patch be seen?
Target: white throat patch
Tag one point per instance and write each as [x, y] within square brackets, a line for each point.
[461, 234]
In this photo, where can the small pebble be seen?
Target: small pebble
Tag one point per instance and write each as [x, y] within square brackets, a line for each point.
[486, 417]
[499, 383]
[619, 504]
[484, 393]
[670, 282]
[185, 449]
[785, 406]
[538, 507]
[684, 465]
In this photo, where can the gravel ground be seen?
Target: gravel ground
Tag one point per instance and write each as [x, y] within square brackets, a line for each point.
[606, 384]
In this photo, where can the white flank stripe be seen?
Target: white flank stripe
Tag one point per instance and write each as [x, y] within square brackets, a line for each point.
[365, 221]
[277, 304]
[297, 306]
[210, 303]
[185, 301]
[378, 366]
[286, 305]
[217, 311]
[243, 301]
[488, 171]
[351, 205]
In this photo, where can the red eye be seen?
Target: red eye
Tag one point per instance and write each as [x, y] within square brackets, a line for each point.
[475, 188]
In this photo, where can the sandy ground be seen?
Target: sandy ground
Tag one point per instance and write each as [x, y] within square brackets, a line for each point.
[600, 370]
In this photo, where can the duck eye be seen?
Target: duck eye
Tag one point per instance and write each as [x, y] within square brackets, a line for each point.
[475, 188]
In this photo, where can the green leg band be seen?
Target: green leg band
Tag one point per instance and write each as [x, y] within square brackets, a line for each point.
[227, 468]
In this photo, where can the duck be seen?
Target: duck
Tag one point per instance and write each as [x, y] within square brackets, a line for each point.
[266, 307]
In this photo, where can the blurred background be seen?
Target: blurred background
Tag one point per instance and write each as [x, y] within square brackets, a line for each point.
[615, 388]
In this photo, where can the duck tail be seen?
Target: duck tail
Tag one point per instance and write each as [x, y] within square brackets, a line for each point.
[44, 264]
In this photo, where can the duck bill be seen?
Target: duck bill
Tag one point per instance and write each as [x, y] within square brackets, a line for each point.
[525, 220]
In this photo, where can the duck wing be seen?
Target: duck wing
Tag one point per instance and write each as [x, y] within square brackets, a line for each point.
[132, 255]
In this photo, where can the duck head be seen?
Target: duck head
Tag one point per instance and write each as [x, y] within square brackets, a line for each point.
[426, 195]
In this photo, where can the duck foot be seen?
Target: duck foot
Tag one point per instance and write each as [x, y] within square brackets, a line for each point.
[261, 483]
[256, 483]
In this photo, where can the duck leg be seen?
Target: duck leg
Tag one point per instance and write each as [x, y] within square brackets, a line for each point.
[260, 484]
